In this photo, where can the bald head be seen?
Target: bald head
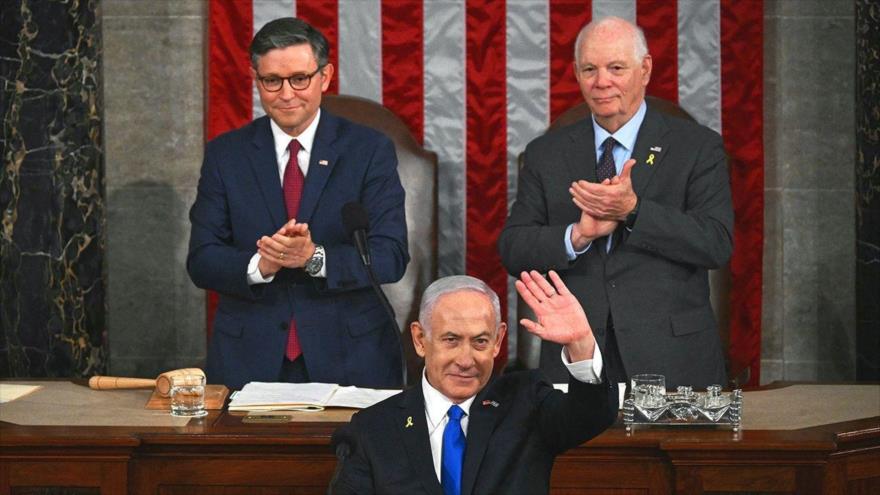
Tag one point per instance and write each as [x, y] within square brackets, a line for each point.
[612, 27]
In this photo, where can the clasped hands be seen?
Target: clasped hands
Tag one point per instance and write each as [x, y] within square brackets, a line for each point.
[290, 247]
[602, 205]
[560, 316]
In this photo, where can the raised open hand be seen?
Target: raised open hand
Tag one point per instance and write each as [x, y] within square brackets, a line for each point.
[561, 318]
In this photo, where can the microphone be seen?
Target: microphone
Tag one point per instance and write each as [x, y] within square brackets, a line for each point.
[343, 443]
[356, 223]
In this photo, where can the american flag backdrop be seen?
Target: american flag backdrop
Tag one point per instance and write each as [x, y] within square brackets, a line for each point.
[476, 80]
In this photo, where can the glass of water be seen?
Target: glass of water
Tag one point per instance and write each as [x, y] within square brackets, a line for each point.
[649, 390]
[188, 396]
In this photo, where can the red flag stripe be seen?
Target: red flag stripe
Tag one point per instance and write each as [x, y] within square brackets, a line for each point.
[742, 112]
[566, 20]
[324, 15]
[486, 144]
[402, 62]
[659, 22]
[230, 29]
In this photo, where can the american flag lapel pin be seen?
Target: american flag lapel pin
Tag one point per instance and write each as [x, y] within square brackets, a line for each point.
[490, 403]
[656, 149]
[323, 163]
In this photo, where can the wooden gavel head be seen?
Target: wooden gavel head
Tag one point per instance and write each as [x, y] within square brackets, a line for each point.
[163, 381]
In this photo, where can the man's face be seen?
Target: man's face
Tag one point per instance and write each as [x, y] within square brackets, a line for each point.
[611, 79]
[462, 345]
[292, 109]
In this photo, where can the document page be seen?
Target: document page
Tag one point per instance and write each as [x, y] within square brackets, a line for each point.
[263, 396]
[359, 398]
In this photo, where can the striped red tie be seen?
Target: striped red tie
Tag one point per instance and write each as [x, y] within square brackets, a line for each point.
[293, 186]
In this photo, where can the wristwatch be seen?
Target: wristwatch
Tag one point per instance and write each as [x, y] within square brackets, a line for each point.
[316, 262]
[631, 217]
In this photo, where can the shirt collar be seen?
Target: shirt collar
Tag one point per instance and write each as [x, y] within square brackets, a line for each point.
[626, 135]
[437, 404]
[306, 138]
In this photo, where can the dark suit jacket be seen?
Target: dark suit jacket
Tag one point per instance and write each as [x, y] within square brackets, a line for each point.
[518, 424]
[345, 336]
[655, 280]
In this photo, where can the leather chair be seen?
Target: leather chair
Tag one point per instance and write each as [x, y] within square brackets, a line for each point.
[418, 173]
[528, 349]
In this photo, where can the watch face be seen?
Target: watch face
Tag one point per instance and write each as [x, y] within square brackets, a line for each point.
[314, 264]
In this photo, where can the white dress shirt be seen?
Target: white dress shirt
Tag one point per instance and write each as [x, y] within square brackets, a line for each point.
[282, 154]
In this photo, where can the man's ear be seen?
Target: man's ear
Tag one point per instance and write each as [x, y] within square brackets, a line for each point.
[419, 338]
[502, 329]
[647, 64]
[327, 71]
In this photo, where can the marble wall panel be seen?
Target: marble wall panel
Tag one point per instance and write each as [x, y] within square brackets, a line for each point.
[154, 111]
[809, 266]
[772, 317]
[52, 277]
[868, 190]
[818, 309]
[817, 101]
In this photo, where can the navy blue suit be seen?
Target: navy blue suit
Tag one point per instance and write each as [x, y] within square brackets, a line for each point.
[345, 336]
[518, 425]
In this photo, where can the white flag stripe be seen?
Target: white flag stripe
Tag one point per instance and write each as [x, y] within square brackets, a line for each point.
[360, 46]
[699, 60]
[625, 9]
[263, 12]
[528, 102]
[444, 115]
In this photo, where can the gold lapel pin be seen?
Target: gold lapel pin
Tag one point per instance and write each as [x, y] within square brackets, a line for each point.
[408, 422]
[650, 160]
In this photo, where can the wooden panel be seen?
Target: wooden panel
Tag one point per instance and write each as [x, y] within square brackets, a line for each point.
[269, 475]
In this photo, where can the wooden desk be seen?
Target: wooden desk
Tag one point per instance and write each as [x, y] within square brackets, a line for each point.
[219, 451]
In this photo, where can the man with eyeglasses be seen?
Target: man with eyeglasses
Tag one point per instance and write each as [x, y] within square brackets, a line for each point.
[295, 301]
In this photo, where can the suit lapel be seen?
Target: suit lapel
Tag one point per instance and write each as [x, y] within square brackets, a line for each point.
[650, 149]
[485, 412]
[580, 158]
[265, 166]
[414, 431]
[323, 159]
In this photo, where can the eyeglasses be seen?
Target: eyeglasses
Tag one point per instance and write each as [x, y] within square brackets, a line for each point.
[273, 84]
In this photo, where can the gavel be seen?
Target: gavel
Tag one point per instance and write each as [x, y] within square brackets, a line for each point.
[162, 383]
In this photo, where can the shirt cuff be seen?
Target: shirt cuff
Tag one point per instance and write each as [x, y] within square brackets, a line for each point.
[569, 249]
[253, 273]
[588, 370]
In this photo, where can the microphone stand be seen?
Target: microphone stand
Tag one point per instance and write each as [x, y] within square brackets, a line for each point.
[390, 312]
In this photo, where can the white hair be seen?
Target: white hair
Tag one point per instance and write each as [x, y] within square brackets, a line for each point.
[448, 285]
[639, 41]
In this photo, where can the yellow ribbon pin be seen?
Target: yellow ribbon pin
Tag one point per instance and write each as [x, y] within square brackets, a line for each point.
[650, 160]
[409, 421]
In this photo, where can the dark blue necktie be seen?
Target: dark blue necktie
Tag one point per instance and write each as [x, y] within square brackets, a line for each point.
[605, 169]
[453, 453]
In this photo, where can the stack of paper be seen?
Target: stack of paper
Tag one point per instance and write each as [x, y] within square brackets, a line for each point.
[261, 396]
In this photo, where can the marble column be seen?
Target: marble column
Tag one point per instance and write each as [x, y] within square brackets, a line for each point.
[52, 280]
[867, 190]
[808, 327]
